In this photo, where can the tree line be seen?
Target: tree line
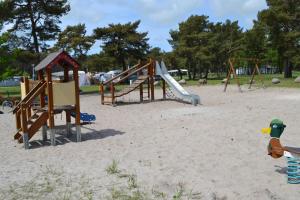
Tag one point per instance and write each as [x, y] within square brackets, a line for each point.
[198, 44]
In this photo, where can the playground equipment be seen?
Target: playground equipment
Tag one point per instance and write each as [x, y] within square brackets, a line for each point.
[231, 71]
[61, 96]
[85, 117]
[145, 76]
[276, 150]
[175, 87]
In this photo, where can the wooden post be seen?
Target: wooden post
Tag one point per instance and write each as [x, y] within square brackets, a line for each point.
[18, 120]
[148, 87]
[150, 72]
[112, 91]
[26, 81]
[164, 88]
[259, 74]
[252, 77]
[77, 105]
[24, 126]
[66, 73]
[227, 78]
[50, 105]
[42, 95]
[232, 71]
[102, 93]
[141, 93]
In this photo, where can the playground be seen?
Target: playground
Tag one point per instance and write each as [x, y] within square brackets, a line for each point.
[211, 151]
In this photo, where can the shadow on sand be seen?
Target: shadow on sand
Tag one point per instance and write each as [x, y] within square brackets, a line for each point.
[124, 103]
[61, 137]
[280, 170]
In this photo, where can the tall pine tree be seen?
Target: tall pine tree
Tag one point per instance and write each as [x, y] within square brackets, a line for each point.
[123, 41]
[75, 41]
[282, 20]
[34, 21]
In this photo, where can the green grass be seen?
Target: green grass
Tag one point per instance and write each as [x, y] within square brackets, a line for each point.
[112, 168]
[10, 91]
[212, 80]
[245, 79]
[95, 89]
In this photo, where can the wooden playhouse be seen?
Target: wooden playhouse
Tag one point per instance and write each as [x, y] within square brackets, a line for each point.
[42, 99]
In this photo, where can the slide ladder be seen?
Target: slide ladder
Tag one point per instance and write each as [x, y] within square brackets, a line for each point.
[137, 83]
[177, 90]
[144, 75]
[27, 122]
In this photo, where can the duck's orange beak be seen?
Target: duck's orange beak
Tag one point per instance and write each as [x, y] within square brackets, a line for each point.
[266, 130]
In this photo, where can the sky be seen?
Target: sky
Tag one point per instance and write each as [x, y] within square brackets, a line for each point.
[158, 17]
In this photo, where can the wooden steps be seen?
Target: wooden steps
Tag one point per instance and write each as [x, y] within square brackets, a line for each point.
[144, 73]
[132, 87]
[139, 81]
[35, 122]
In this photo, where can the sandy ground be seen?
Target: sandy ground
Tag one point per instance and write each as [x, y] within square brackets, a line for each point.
[214, 150]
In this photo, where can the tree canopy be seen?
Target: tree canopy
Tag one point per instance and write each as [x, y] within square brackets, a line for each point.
[204, 46]
[34, 22]
[75, 41]
[123, 42]
[30, 29]
[282, 22]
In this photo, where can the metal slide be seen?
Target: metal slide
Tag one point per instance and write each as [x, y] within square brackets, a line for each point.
[176, 88]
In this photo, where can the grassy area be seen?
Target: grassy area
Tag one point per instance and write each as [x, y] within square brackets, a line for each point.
[212, 80]
[245, 79]
[95, 89]
[10, 91]
[55, 183]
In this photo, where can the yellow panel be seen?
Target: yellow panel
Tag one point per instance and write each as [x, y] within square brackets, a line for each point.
[32, 84]
[23, 91]
[64, 93]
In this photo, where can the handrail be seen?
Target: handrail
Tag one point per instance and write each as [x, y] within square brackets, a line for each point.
[35, 94]
[17, 108]
[121, 74]
[128, 75]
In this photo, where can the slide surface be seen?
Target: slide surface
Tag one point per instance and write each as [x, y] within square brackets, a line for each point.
[180, 92]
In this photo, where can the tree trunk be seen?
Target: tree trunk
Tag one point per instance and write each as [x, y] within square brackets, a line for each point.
[179, 72]
[189, 70]
[33, 27]
[124, 65]
[287, 68]
[206, 74]
[194, 73]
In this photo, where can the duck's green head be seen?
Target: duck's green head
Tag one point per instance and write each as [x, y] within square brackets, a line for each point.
[277, 127]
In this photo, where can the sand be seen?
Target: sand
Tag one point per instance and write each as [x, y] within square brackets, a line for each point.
[213, 151]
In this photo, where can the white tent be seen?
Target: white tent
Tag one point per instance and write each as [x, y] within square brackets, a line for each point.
[84, 78]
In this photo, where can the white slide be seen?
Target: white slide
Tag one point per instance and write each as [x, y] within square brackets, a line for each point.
[178, 90]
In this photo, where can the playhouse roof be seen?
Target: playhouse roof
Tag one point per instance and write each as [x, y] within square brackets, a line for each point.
[54, 58]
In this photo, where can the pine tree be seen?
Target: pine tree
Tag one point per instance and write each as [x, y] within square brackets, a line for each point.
[34, 21]
[123, 41]
[281, 19]
[75, 41]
